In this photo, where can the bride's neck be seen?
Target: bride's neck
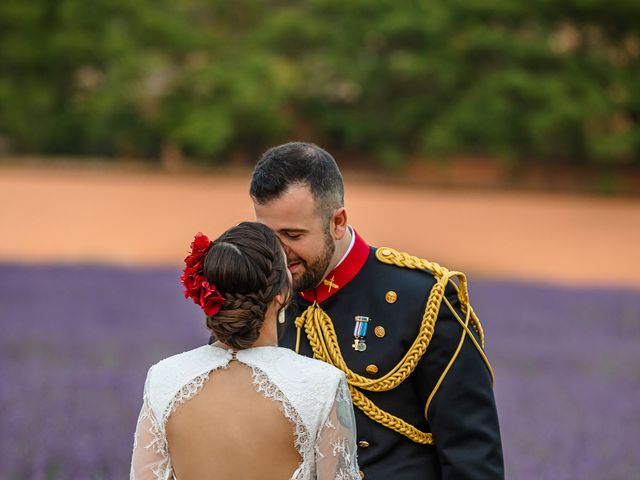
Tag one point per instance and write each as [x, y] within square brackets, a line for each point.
[268, 333]
[268, 336]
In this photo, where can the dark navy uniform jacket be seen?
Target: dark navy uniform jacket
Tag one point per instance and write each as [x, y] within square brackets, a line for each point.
[461, 416]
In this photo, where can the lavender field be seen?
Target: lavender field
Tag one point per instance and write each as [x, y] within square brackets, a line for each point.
[75, 344]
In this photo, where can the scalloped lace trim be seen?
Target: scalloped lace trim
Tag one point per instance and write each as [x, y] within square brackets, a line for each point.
[164, 470]
[348, 466]
[303, 443]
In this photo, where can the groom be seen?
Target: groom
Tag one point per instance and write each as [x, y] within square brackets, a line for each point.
[400, 327]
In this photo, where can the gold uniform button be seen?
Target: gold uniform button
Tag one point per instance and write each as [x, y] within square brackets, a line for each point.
[363, 444]
[391, 296]
[379, 331]
[361, 474]
[372, 369]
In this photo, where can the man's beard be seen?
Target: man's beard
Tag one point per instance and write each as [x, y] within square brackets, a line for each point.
[314, 272]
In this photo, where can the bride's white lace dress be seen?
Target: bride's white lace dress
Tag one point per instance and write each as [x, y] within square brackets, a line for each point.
[313, 396]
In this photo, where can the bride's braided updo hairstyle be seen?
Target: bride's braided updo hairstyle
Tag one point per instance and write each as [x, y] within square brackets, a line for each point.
[248, 268]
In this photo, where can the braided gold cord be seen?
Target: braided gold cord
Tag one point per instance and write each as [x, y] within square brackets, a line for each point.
[324, 342]
[464, 324]
[451, 360]
[396, 424]
[315, 320]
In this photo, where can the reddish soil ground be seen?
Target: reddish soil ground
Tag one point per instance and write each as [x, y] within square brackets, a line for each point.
[133, 217]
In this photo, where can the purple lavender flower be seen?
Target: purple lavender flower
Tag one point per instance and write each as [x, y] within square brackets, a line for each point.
[76, 342]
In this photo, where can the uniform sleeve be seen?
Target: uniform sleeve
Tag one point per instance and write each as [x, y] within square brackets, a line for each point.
[462, 413]
[336, 442]
[149, 457]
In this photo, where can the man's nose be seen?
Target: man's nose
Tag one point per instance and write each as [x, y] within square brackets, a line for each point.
[289, 252]
[287, 248]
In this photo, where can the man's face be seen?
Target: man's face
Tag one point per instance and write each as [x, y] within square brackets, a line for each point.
[303, 232]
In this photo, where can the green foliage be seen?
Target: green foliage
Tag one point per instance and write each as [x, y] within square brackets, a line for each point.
[544, 80]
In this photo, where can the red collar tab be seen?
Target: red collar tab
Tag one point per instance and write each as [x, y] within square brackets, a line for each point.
[342, 274]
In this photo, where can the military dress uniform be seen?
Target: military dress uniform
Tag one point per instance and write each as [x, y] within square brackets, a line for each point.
[412, 348]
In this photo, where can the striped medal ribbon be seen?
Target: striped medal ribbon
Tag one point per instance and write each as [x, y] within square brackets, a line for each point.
[359, 332]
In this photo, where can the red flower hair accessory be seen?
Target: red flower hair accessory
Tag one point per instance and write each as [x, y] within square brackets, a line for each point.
[196, 285]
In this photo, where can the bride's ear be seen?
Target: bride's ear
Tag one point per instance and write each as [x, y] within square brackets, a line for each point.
[280, 299]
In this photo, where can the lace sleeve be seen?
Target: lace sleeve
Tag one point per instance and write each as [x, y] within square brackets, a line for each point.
[336, 443]
[150, 458]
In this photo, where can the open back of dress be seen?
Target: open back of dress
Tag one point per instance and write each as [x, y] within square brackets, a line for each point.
[230, 431]
[263, 413]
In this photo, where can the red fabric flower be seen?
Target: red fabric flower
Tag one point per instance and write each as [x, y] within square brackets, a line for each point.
[200, 244]
[210, 299]
[196, 285]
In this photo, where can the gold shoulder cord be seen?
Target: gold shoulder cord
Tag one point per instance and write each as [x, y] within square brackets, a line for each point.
[324, 342]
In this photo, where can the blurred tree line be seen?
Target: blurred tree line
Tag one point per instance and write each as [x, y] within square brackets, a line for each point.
[542, 81]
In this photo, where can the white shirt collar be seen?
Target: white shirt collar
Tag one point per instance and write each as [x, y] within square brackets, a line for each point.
[353, 241]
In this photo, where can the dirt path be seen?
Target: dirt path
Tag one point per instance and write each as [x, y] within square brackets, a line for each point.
[57, 214]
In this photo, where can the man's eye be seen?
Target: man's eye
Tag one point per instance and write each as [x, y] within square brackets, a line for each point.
[293, 236]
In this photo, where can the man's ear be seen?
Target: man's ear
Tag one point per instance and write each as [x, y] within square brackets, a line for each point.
[339, 223]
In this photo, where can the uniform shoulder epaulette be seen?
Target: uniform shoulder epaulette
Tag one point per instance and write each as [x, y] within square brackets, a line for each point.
[392, 256]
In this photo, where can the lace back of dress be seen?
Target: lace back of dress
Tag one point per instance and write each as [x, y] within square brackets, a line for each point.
[233, 421]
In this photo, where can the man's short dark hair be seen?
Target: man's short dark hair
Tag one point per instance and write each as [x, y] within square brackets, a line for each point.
[298, 163]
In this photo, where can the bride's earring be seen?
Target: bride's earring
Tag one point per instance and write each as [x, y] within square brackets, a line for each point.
[281, 317]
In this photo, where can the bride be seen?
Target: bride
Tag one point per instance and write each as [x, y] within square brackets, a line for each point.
[243, 408]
